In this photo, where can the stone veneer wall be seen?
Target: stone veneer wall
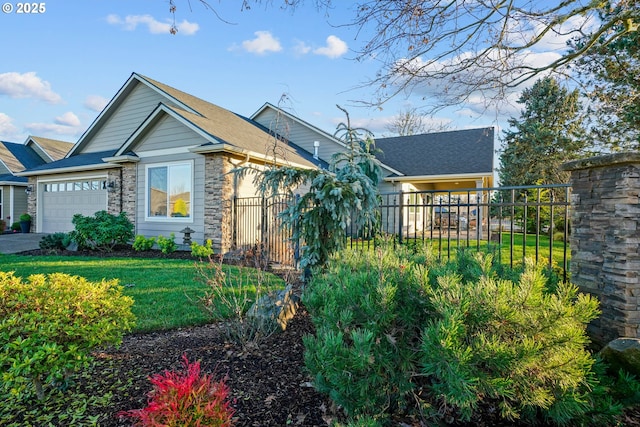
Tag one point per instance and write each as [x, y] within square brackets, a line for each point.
[127, 189]
[605, 240]
[31, 205]
[218, 193]
[114, 197]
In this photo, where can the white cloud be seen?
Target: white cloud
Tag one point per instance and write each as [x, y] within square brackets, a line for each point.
[263, 43]
[525, 30]
[7, 128]
[95, 103]
[65, 124]
[301, 48]
[68, 119]
[27, 85]
[335, 48]
[131, 22]
[52, 128]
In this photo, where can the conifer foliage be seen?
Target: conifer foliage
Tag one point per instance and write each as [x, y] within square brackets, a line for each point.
[399, 333]
[333, 198]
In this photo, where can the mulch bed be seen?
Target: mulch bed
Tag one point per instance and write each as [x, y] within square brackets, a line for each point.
[269, 385]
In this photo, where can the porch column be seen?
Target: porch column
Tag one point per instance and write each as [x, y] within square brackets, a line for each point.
[605, 240]
[218, 194]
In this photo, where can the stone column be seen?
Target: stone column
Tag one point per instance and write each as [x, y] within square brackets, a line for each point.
[605, 240]
[218, 197]
[31, 205]
[128, 187]
[114, 194]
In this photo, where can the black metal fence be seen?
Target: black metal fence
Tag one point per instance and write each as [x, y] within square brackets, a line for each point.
[517, 222]
[257, 228]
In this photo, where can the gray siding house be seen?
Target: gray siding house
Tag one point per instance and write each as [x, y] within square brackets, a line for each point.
[166, 157]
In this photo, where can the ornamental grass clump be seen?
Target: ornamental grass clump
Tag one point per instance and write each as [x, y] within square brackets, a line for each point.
[229, 298]
[49, 325]
[184, 399]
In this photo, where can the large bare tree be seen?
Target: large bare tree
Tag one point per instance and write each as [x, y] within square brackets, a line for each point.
[459, 50]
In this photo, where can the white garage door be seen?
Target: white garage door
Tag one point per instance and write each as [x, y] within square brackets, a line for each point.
[61, 200]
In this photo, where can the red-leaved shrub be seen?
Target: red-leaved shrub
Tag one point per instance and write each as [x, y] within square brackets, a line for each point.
[184, 400]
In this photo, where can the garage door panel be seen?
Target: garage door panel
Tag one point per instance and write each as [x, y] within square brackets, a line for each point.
[58, 208]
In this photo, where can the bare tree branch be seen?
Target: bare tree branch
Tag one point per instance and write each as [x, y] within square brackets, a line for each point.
[453, 50]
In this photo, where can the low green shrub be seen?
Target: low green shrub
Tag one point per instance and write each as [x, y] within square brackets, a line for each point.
[400, 332]
[367, 312]
[186, 399]
[49, 324]
[510, 342]
[167, 245]
[15, 226]
[55, 241]
[143, 244]
[202, 251]
[103, 231]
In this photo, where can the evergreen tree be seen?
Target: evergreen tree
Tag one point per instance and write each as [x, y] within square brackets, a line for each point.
[548, 133]
[611, 73]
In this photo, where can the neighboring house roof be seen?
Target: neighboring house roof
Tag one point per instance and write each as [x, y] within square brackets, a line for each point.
[19, 157]
[457, 152]
[54, 148]
[8, 179]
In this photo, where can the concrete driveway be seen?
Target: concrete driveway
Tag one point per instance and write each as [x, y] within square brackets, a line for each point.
[19, 242]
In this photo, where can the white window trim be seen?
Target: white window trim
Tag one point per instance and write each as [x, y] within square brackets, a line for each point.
[146, 192]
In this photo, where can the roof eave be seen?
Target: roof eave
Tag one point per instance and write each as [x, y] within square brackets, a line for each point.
[439, 178]
[70, 169]
[126, 158]
[248, 154]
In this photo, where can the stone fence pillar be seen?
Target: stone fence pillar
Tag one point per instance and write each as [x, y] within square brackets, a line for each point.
[605, 240]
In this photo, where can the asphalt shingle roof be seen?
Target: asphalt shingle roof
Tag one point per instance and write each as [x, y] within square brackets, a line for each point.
[54, 148]
[227, 126]
[19, 157]
[8, 178]
[442, 153]
[78, 160]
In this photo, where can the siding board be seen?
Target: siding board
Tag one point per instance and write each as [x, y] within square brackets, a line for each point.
[125, 120]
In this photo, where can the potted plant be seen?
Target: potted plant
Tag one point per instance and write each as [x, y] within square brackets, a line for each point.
[25, 222]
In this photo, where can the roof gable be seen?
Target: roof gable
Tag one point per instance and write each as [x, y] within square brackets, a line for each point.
[18, 157]
[443, 153]
[304, 134]
[220, 128]
[53, 149]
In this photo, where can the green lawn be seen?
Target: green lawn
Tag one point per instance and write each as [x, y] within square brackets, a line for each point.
[446, 247]
[164, 290]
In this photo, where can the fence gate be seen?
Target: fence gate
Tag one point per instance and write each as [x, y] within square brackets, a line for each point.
[257, 227]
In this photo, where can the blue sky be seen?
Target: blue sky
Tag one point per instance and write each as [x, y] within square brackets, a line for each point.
[60, 67]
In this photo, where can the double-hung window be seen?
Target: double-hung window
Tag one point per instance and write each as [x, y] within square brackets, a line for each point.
[169, 191]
